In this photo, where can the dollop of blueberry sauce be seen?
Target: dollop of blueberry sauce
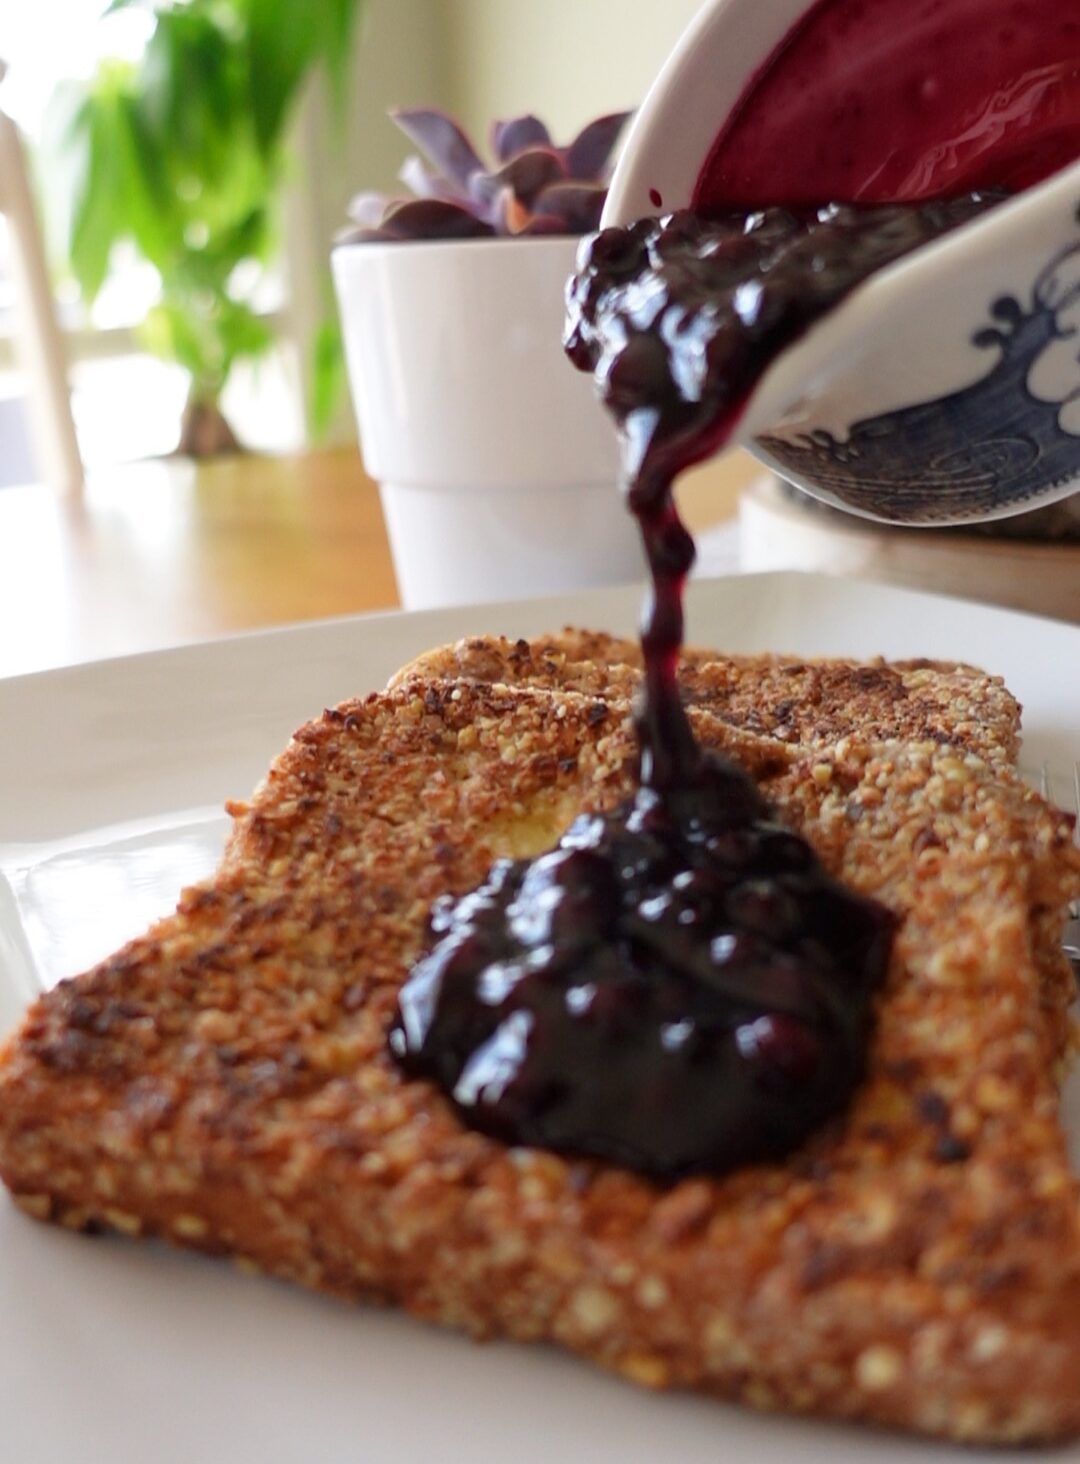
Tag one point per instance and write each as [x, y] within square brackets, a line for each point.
[679, 986]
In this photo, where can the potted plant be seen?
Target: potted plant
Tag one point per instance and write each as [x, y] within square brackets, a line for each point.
[183, 155]
[497, 467]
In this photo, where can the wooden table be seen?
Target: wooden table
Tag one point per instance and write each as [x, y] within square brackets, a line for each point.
[165, 552]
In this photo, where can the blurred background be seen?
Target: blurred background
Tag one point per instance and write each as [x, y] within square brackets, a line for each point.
[479, 59]
[173, 174]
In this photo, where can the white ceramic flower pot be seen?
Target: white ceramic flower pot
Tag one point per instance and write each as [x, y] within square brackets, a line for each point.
[498, 467]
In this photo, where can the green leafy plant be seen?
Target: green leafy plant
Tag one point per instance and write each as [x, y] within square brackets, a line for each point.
[183, 154]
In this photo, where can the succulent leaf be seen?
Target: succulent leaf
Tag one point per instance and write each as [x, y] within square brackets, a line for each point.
[367, 209]
[528, 175]
[511, 216]
[423, 218]
[577, 204]
[421, 181]
[589, 153]
[516, 134]
[441, 141]
[536, 188]
[539, 224]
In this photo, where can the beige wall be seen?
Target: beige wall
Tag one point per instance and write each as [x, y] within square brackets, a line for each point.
[400, 58]
[566, 60]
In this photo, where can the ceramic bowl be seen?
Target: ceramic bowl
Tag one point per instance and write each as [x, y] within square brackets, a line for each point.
[946, 388]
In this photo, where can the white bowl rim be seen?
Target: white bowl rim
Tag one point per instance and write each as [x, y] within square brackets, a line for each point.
[644, 163]
[379, 248]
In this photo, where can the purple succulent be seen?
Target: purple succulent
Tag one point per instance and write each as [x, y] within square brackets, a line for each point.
[535, 187]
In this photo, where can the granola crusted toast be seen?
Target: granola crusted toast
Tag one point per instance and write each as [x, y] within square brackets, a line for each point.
[815, 702]
[223, 1081]
[812, 702]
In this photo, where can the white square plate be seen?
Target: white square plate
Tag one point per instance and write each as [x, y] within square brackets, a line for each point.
[111, 781]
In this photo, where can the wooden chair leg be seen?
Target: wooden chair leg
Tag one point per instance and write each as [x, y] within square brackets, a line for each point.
[37, 338]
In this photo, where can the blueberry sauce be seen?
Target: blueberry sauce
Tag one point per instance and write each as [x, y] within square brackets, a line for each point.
[871, 101]
[679, 986]
[678, 318]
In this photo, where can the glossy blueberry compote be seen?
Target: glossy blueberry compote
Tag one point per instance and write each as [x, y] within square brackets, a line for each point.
[677, 987]
[678, 318]
[877, 101]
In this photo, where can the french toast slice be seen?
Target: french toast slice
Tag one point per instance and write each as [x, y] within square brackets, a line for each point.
[223, 1082]
[815, 702]
[808, 702]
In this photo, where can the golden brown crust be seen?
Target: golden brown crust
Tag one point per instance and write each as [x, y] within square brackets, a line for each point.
[808, 702]
[223, 1081]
